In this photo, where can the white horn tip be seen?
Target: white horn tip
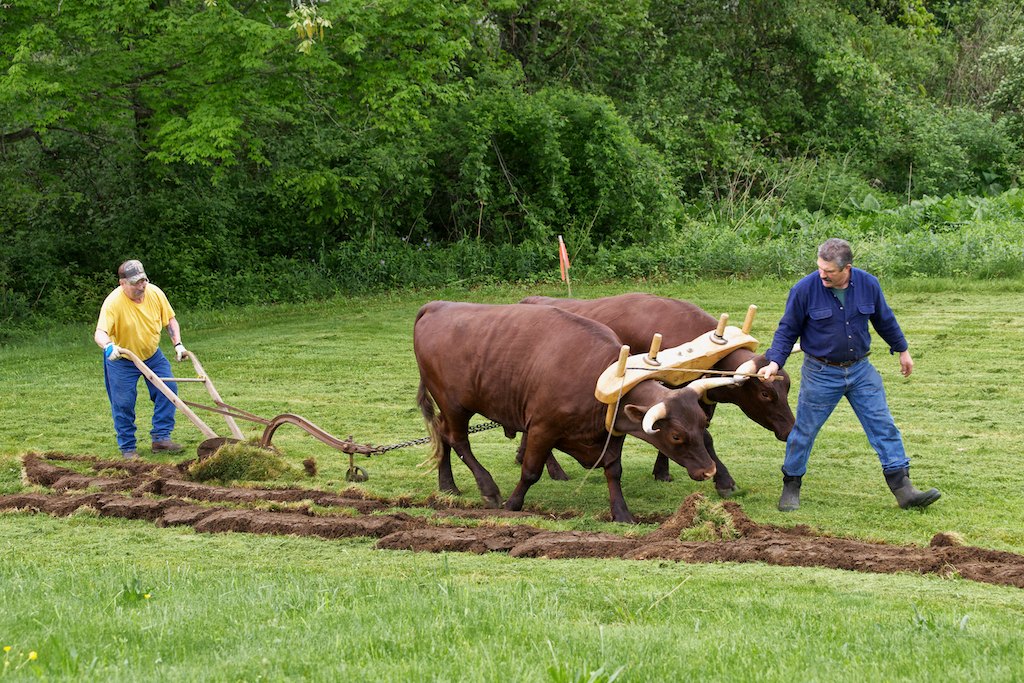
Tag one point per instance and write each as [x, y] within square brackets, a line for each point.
[656, 412]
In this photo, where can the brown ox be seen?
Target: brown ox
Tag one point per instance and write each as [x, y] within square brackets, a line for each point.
[533, 369]
[635, 318]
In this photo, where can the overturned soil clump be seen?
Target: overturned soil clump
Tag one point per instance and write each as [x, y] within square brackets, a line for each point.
[160, 494]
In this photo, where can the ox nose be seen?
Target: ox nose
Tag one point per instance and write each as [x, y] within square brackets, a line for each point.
[699, 473]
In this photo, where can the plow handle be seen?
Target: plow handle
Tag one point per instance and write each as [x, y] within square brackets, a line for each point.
[212, 390]
[170, 395]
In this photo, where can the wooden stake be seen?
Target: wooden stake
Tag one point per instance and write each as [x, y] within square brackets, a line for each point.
[722, 322]
[620, 371]
[652, 355]
[749, 321]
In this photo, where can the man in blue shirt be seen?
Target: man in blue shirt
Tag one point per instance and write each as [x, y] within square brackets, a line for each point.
[828, 311]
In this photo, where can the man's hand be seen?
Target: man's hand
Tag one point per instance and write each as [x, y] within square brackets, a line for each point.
[906, 363]
[767, 373]
[112, 351]
[180, 352]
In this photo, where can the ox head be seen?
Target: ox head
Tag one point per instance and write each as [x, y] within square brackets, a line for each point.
[766, 403]
[673, 421]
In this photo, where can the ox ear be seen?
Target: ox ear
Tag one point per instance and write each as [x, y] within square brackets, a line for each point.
[634, 412]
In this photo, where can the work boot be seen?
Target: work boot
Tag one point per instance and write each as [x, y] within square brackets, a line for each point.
[790, 499]
[906, 495]
[130, 455]
[166, 445]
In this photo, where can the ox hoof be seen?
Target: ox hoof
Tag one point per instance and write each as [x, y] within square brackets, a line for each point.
[451, 490]
[492, 502]
[727, 492]
[663, 477]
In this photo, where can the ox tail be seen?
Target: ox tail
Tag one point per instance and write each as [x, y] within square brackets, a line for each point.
[426, 404]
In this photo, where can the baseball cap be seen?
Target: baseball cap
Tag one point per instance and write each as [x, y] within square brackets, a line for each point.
[132, 271]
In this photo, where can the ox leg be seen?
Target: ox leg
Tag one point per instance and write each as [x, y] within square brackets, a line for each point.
[724, 484]
[533, 455]
[613, 475]
[661, 472]
[445, 477]
[555, 470]
[484, 481]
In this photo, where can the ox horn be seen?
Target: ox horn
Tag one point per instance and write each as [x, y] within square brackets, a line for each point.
[702, 386]
[659, 411]
[744, 371]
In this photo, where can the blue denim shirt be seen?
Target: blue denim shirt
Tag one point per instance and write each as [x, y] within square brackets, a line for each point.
[832, 331]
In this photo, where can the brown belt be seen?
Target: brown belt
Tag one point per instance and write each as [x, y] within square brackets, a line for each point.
[842, 363]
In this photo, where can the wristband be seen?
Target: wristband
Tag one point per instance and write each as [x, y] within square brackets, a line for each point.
[179, 344]
[108, 350]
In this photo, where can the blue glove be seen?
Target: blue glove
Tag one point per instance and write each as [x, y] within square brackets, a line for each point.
[112, 351]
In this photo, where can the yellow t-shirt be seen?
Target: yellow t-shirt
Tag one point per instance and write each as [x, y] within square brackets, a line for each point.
[134, 326]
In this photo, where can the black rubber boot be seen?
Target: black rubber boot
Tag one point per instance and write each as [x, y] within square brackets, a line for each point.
[906, 495]
[790, 499]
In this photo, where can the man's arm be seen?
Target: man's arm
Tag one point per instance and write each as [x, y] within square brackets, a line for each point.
[785, 336]
[885, 324]
[101, 338]
[174, 330]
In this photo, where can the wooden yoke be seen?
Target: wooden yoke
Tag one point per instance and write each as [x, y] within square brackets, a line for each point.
[676, 366]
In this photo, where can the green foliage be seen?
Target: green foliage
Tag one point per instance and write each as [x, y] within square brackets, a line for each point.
[748, 237]
[243, 150]
[133, 593]
[1008, 96]
[933, 151]
[562, 673]
[512, 166]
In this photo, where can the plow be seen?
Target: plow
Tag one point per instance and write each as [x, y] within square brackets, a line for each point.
[231, 415]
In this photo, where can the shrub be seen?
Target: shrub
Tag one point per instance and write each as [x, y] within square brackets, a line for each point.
[511, 166]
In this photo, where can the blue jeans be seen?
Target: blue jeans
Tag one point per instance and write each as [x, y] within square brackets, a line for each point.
[122, 380]
[821, 387]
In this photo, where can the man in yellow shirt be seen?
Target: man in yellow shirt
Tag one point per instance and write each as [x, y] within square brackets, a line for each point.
[131, 318]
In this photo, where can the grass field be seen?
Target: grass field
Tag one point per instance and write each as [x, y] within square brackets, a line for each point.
[238, 607]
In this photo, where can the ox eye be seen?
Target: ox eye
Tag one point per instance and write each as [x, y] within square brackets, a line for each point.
[765, 396]
[677, 437]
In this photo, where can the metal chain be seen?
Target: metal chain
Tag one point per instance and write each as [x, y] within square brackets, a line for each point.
[426, 439]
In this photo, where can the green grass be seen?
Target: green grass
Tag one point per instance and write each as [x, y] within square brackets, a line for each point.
[238, 607]
[241, 607]
[243, 461]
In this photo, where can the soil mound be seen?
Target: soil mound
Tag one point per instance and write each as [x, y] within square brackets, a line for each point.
[159, 494]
